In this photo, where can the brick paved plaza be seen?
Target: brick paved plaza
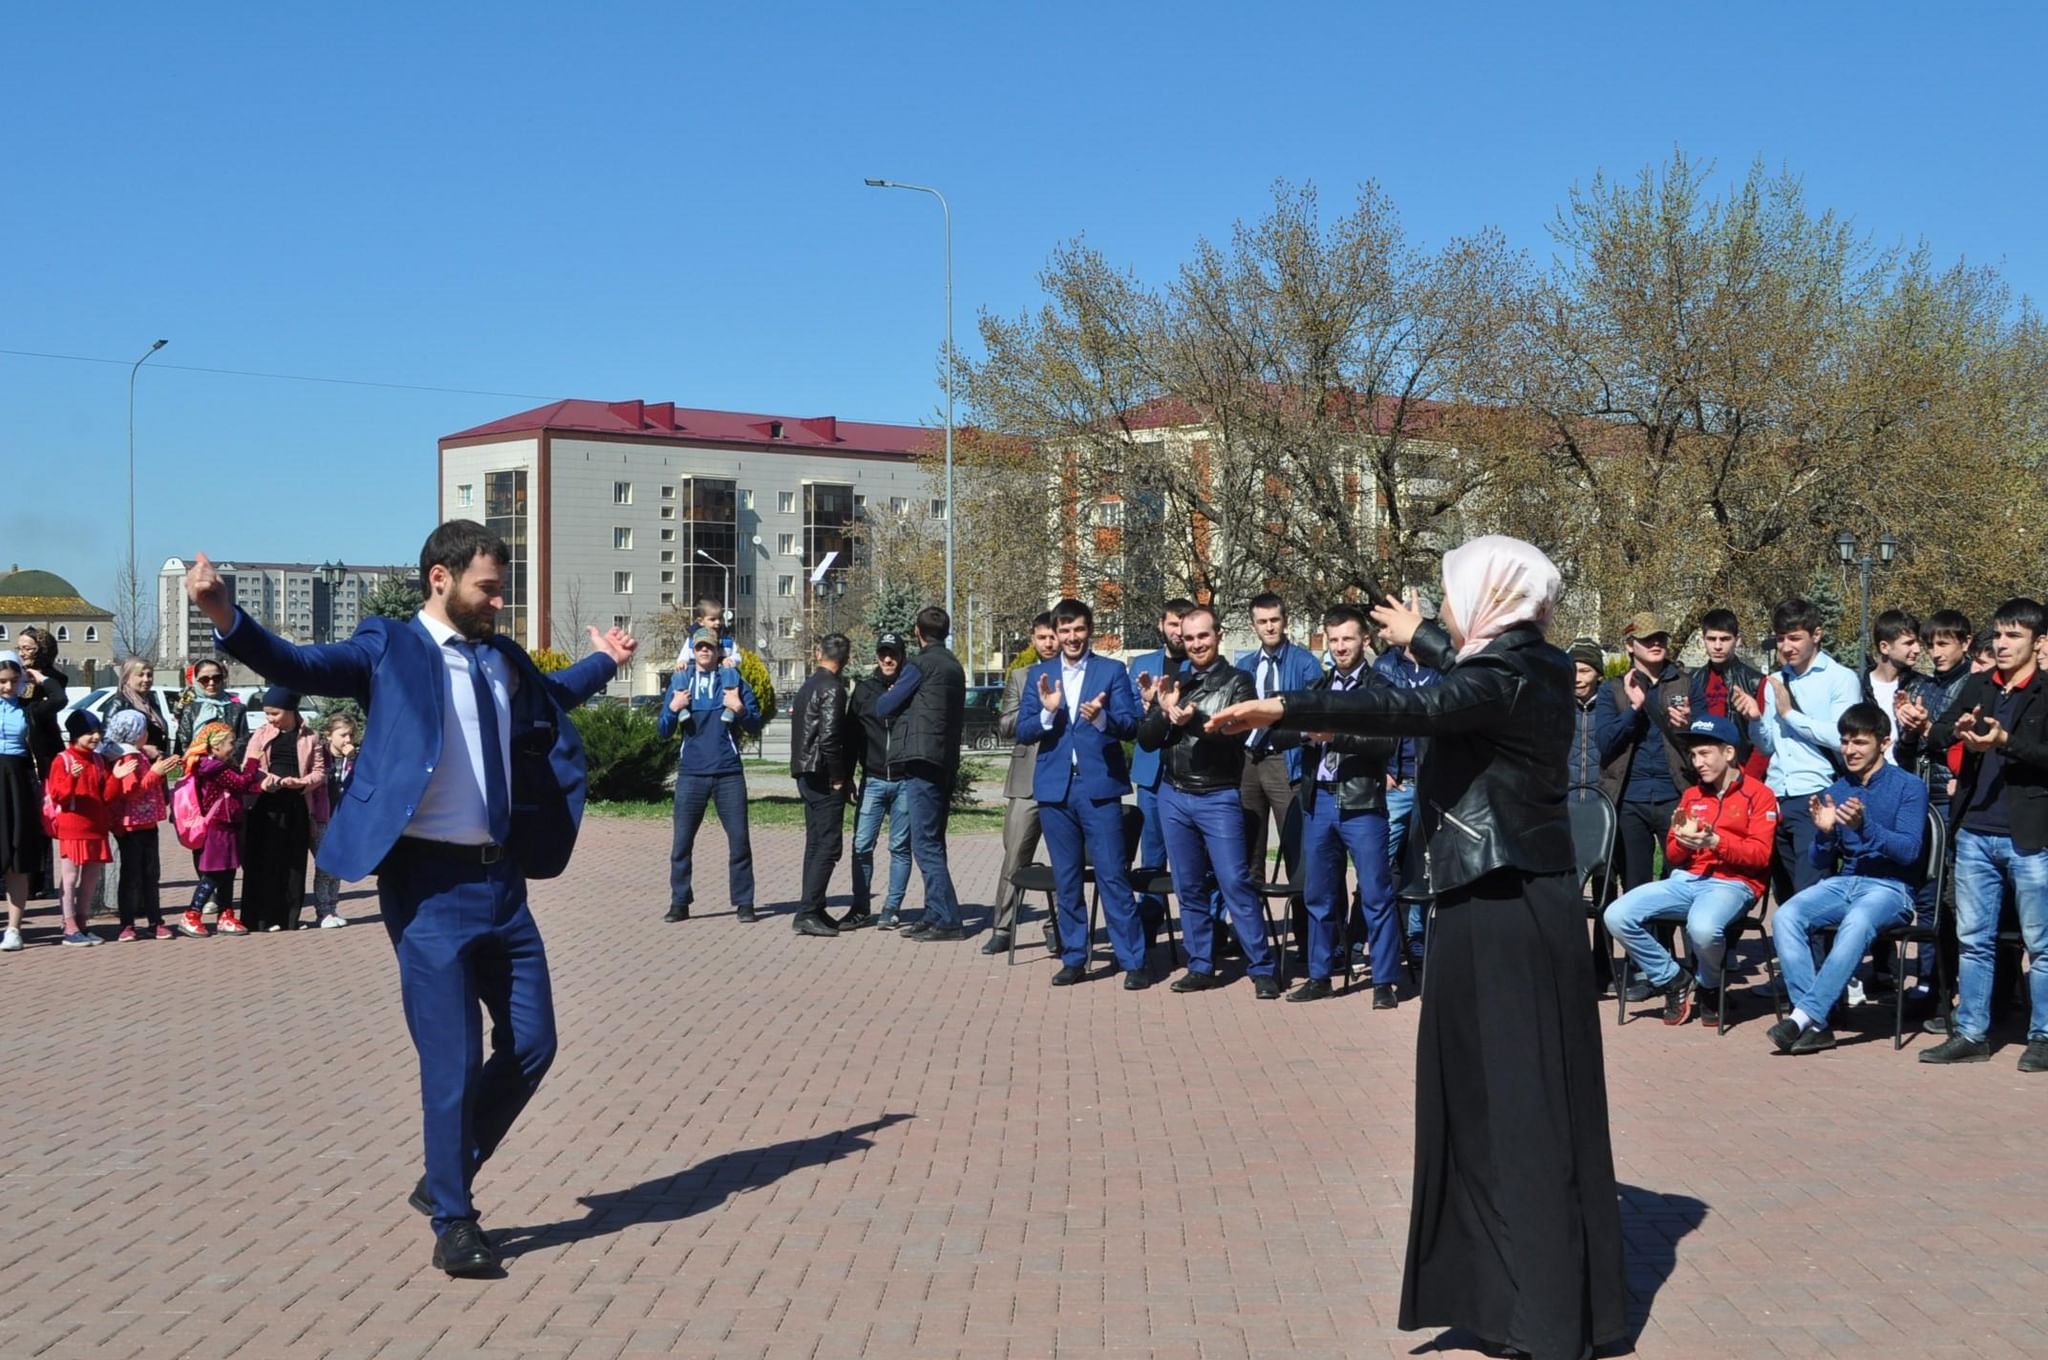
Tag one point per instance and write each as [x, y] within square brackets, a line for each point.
[755, 1144]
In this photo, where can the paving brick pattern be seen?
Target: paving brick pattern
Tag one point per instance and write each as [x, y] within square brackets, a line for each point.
[755, 1144]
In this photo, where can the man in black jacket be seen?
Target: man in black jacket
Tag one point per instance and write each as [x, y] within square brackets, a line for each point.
[881, 793]
[1200, 809]
[821, 762]
[1343, 797]
[1646, 768]
[931, 694]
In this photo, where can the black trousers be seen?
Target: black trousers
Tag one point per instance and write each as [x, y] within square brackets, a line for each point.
[824, 836]
[136, 894]
[1636, 840]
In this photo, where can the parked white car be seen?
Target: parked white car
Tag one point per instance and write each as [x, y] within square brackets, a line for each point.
[97, 702]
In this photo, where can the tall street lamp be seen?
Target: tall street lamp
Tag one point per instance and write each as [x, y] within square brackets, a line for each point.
[948, 210]
[728, 583]
[1846, 549]
[331, 575]
[134, 568]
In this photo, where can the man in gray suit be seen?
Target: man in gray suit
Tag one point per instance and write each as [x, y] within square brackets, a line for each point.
[1020, 815]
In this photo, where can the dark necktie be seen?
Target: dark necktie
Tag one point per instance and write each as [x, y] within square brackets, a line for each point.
[1263, 684]
[1326, 772]
[496, 800]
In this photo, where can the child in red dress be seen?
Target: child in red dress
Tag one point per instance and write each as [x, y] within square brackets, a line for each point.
[82, 791]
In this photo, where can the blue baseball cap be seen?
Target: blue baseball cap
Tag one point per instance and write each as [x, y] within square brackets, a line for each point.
[1712, 729]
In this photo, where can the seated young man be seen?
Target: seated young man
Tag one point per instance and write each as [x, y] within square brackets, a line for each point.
[1719, 849]
[1874, 821]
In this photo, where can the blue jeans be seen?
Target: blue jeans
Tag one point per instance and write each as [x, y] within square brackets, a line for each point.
[1858, 908]
[926, 800]
[1330, 836]
[1706, 905]
[881, 798]
[727, 792]
[1205, 848]
[1400, 816]
[1984, 864]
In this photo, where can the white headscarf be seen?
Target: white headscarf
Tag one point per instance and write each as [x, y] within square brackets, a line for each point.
[1494, 583]
[124, 732]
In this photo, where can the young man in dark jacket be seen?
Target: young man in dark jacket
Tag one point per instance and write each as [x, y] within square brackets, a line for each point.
[1645, 767]
[1589, 669]
[713, 707]
[881, 794]
[1724, 674]
[931, 694]
[821, 762]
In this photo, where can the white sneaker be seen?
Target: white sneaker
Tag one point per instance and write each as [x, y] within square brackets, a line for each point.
[11, 941]
[1854, 995]
[272, 930]
[333, 920]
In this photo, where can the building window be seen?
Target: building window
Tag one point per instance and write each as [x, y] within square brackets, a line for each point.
[3, 632]
[622, 539]
[785, 586]
[668, 511]
[785, 502]
[622, 493]
[465, 495]
[1109, 514]
[63, 632]
[622, 583]
[92, 632]
[860, 506]
[668, 555]
[668, 535]
[746, 585]
[668, 578]
[785, 670]
[746, 500]
[785, 544]
[938, 508]
[623, 622]
[786, 625]
[668, 597]
[668, 493]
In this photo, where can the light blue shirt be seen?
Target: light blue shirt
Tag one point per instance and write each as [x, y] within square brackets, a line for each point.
[1799, 743]
[13, 728]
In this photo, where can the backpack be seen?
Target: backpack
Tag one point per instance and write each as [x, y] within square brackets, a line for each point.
[186, 817]
[51, 807]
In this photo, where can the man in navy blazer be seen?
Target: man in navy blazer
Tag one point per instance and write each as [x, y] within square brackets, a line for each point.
[1085, 709]
[1146, 668]
[470, 782]
[1273, 767]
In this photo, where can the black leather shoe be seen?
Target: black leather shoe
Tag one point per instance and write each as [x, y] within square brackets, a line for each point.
[678, 913]
[419, 1200]
[815, 923]
[1936, 1024]
[1069, 975]
[1813, 1041]
[1315, 989]
[1957, 1049]
[747, 915]
[2035, 1059]
[464, 1250]
[1138, 982]
[916, 932]
[1385, 998]
[1783, 1035]
[996, 943]
[1266, 988]
[1707, 1000]
[1191, 981]
[856, 918]
[940, 934]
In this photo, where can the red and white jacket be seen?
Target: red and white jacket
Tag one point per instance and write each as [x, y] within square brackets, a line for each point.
[1746, 819]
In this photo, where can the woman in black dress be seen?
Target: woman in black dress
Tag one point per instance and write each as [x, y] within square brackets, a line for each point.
[279, 830]
[1514, 1230]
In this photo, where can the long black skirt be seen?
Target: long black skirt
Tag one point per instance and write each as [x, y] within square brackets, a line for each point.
[275, 840]
[1515, 1231]
[22, 843]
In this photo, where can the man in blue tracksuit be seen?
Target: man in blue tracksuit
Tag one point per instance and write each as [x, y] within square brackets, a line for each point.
[1145, 669]
[713, 707]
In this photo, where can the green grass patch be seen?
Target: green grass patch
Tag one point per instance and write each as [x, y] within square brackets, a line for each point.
[785, 810]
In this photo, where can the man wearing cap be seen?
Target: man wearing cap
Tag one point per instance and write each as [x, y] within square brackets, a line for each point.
[1643, 762]
[1719, 850]
[713, 707]
[882, 793]
[1589, 668]
[1020, 815]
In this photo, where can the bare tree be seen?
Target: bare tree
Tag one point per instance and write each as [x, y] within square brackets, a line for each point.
[135, 618]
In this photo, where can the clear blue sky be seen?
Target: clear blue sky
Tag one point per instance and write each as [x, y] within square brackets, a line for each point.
[665, 201]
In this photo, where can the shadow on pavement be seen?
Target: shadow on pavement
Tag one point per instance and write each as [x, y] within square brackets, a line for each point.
[704, 1186]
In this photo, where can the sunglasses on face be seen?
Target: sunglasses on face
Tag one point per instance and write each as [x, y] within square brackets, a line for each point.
[207, 679]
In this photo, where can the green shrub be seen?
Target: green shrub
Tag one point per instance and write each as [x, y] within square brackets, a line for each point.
[547, 660]
[755, 672]
[628, 760]
[964, 779]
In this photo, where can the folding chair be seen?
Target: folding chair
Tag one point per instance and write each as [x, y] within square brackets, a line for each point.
[1750, 917]
[1036, 877]
[1595, 824]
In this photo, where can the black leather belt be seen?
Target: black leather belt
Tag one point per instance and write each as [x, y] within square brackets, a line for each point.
[487, 853]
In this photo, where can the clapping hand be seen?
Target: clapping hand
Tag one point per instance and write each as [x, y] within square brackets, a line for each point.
[1850, 814]
[1744, 703]
[1913, 715]
[1148, 687]
[1091, 707]
[1781, 695]
[1178, 713]
[1689, 833]
[616, 643]
[1978, 733]
[166, 765]
[1638, 693]
[1049, 696]
[1825, 814]
[1397, 619]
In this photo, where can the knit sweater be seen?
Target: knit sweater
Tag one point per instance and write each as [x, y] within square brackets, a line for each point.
[1893, 835]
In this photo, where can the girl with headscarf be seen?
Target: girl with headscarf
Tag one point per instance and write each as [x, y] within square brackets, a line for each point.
[211, 762]
[79, 788]
[1514, 1230]
[139, 808]
[22, 843]
[279, 830]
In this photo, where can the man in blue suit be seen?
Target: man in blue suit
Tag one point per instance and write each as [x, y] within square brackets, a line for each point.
[471, 782]
[1146, 668]
[1085, 710]
[1272, 768]
[714, 706]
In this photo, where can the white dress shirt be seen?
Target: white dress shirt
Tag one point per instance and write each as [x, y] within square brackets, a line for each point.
[1074, 674]
[454, 807]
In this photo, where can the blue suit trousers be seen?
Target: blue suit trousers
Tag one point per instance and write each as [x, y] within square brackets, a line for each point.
[1328, 836]
[1205, 849]
[465, 940]
[1078, 826]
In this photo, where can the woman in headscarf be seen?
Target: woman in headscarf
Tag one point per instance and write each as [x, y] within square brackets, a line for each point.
[136, 694]
[280, 826]
[210, 702]
[1514, 1229]
[22, 843]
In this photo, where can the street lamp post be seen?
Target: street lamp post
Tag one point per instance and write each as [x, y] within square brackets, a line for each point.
[134, 568]
[332, 575]
[727, 620]
[1846, 549]
[947, 209]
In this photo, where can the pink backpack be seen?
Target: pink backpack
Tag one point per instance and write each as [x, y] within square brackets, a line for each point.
[186, 817]
[51, 807]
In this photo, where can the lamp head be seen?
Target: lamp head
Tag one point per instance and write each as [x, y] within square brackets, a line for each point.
[1845, 546]
[876, 183]
[1887, 547]
[158, 345]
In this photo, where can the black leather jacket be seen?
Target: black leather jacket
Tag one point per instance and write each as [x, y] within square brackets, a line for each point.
[1189, 759]
[871, 733]
[1491, 791]
[819, 742]
[1361, 760]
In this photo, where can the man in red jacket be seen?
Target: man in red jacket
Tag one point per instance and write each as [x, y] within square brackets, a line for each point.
[1718, 851]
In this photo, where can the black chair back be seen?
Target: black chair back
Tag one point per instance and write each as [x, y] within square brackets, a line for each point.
[1595, 823]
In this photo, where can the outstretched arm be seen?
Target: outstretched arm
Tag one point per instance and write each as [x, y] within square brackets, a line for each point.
[339, 670]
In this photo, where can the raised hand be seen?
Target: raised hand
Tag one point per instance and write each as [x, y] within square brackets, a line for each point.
[1148, 687]
[1850, 814]
[1049, 696]
[1745, 705]
[1984, 734]
[1397, 620]
[616, 643]
[205, 588]
[1825, 814]
[1781, 695]
[1091, 707]
[1244, 717]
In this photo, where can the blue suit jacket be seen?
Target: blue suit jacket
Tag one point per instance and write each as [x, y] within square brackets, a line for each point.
[1299, 668]
[1102, 771]
[1145, 764]
[394, 670]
